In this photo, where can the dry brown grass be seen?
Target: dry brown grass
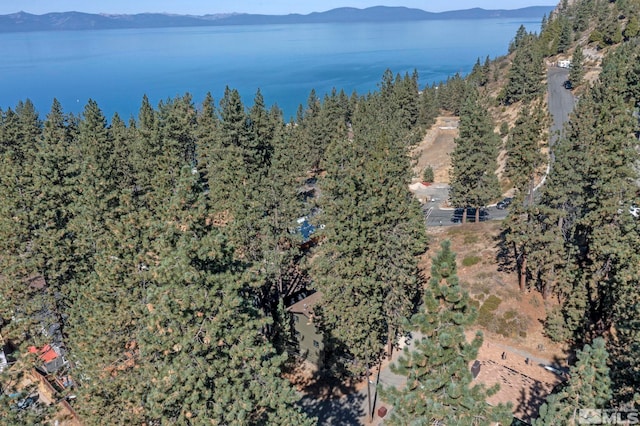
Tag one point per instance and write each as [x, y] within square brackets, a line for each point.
[492, 275]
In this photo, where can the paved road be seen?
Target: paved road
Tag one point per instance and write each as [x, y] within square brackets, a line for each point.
[438, 215]
[351, 409]
[561, 103]
[561, 100]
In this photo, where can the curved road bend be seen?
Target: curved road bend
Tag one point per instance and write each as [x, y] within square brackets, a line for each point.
[351, 409]
[560, 102]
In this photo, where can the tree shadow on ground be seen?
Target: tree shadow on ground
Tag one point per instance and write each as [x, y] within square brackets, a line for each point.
[332, 398]
[504, 255]
[529, 402]
[334, 411]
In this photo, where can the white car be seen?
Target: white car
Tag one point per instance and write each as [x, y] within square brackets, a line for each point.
[635, 211]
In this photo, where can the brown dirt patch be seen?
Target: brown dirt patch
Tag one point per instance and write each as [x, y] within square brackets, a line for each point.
[525, 385]
[492, 274]
[437, 145]
[435, 149]
[487, 274]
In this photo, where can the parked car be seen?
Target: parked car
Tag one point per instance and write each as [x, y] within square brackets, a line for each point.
[567, 85]
[24, 403]
[471, 214]
[504, 203]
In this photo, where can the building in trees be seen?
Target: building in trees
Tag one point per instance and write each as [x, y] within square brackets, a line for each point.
[309, 338]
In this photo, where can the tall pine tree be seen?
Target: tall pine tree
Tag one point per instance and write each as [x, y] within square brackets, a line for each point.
[589, 386]
[474, 182]
[439, 387]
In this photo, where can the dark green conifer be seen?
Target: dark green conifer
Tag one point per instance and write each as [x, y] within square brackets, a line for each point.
[99, 184]
[474, 159]
[588, 387]
[428, 106]
[439, 388]
[19, 137]
[566, 35]
[518, 40]
[576, 74]
[204, 356]
[524, 154]
[365, 266]
[56, 192]
[146, 152]
[527, 72]
[314, 129]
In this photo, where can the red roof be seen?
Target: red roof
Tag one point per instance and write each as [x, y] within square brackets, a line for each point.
[46, 354]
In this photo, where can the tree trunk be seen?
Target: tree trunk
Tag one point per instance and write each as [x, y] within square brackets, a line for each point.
[370, 409]
[523, 273]
[519, 267]
[531, 187]
[549, 284]
[545, 291]
[515, 256]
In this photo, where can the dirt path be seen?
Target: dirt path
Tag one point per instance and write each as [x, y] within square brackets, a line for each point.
[523, 379]
[522, 354]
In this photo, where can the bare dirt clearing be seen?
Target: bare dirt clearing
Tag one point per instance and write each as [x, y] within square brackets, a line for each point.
[511, 322]
[485, 272]
[436, 148]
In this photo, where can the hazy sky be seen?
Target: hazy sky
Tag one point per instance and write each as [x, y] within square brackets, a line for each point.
[271, 7]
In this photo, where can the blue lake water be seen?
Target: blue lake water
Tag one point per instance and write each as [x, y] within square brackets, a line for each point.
[117, 67]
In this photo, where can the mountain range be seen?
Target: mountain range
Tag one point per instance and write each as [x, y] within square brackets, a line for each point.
[66, 21]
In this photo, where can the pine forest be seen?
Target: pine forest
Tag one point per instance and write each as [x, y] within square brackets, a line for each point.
[150, 265]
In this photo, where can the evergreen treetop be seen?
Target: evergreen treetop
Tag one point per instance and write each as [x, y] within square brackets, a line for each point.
[439, 388]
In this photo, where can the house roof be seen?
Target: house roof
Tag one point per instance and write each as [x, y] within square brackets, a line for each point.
[46, 354]
[305, 306]
[51, 356]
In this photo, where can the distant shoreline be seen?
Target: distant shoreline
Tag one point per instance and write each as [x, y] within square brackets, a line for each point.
[77, 21]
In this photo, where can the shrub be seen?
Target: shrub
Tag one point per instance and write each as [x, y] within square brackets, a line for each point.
[504, 129]
[555, 326]
[470, 260]
[501, 326]
[492, 303]
[535, 302]
[486, 311]
[428, 175]
[470, 239]
[509, 315]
